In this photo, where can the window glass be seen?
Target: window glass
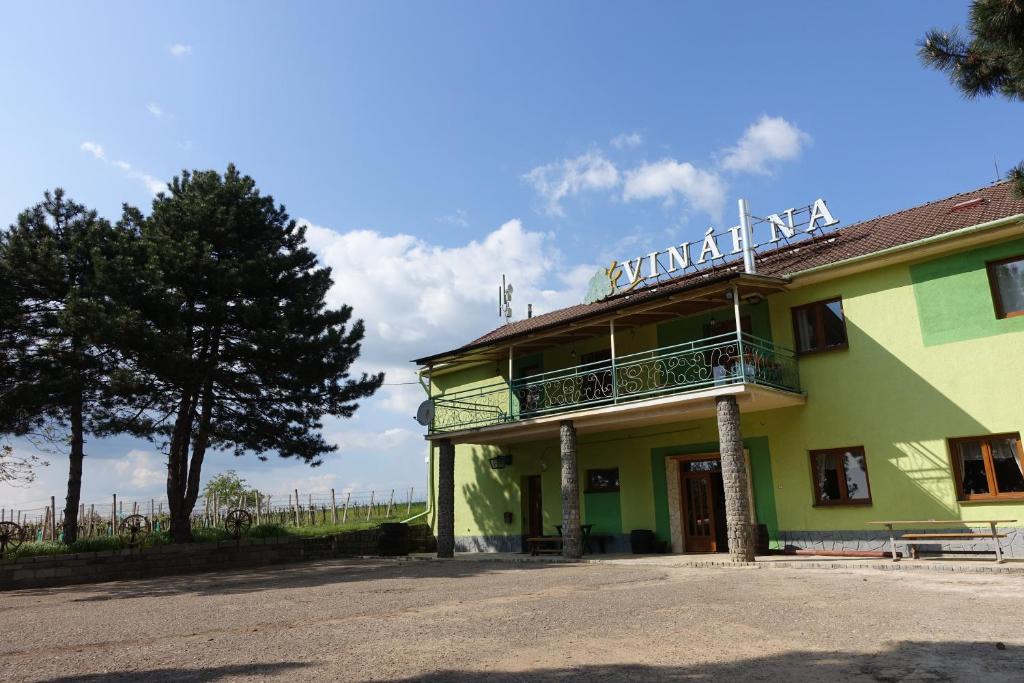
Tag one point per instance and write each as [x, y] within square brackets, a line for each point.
[835, 325]
[972, 468]
[856, 476]
[701, 466]
[806, 330]
[828, 478]
[603, 480]
[1007, 465]
[1009, 283]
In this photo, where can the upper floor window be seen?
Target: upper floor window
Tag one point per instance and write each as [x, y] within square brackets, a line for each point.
[819, 326]
[603, 481]
[840, 476]
[986, 467]
[1006, 278]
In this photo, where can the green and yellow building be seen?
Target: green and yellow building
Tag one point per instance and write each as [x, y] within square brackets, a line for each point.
[878, 372]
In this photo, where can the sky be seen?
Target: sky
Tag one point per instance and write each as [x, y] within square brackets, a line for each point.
[433, 147]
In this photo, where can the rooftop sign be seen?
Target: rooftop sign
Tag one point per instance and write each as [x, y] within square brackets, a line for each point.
[779, 229]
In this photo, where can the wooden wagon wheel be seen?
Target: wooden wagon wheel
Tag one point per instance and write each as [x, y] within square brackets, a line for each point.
[134, 527]
[237, 523]
[11, 536]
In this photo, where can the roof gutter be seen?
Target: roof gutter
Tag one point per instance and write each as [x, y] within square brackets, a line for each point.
[917, 244]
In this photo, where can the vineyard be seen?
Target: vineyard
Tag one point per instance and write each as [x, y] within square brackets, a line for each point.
[129, 523]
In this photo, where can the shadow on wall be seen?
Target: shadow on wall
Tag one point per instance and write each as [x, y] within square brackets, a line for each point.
[910, 660]
[917, 412]
[489, 495]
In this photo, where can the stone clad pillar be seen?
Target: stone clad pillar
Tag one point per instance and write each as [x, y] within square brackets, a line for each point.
[446, 499]
[734, 477]
[572, 543]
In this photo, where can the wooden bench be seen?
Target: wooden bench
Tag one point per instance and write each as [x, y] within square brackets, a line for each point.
[912, 540]
[544, 545]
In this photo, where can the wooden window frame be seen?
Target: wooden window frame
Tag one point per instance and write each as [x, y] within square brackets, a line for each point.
[819, 327]
[844, 498]
[602, 489]
[993, 286]
[990, 473]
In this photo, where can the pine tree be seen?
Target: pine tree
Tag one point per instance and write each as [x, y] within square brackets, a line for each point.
[53, 374]
[233, 346]
[990, 61]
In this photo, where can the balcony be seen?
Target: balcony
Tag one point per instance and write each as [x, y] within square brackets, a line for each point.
[727, 363]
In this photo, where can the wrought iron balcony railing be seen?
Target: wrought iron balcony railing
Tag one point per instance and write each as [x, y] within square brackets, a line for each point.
[706, 363]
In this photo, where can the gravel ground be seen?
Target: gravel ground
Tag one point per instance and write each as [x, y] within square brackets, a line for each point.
[461, 621]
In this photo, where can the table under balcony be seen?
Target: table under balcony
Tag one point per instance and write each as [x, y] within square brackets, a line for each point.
[668, 384]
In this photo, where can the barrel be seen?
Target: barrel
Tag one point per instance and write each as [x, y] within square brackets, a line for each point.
[641, 541]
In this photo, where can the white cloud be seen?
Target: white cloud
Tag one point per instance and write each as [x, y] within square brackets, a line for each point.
[153, 184]
[419, 298]
[94, 149]
[180, 50]
[766, 140]
[560, 179]
[459, 218]
[627, 141]
[666, 179]
[140, 469]
[155, 109]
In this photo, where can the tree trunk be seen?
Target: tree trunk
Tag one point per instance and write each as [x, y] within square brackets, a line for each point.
[446, 499]
[75, 458]
[572, 545]
[734, 477]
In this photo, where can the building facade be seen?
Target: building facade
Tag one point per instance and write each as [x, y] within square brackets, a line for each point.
[870, 373]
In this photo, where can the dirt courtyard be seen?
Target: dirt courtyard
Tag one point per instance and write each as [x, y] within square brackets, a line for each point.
[467, 621]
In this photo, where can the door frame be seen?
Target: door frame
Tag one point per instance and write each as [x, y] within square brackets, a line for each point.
[675, 499]
[526, 511]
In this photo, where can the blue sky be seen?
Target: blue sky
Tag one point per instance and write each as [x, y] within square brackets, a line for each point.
[433, 147]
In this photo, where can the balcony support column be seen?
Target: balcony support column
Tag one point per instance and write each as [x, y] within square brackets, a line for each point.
[741, 366]
[572, 542]
[615, 383]
[734, 477]
[446, 499]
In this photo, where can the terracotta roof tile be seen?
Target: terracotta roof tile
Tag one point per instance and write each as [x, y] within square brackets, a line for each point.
[860, 239]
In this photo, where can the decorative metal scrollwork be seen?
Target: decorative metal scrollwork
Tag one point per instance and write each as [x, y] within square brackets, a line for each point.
[237, 523]
[133, 528]
[11, 536]
[707, 363]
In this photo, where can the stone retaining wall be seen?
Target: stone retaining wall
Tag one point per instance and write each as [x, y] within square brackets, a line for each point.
[188, 558]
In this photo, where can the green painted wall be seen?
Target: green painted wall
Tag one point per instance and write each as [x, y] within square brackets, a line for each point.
[690, 328]
[896, 391]
[954, 302]
[604, 511]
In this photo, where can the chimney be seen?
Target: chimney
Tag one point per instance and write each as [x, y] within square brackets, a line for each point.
[529, 310]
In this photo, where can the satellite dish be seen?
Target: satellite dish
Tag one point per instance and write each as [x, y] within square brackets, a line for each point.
[425, 413]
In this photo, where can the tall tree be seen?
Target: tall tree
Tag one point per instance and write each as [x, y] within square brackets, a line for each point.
[989, 61]
[52, 372]
[233, 345]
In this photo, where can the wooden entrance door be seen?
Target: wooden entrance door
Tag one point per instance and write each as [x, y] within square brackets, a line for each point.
[698, 496]
[534, 507]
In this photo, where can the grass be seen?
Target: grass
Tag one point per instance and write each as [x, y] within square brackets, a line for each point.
[203, 535]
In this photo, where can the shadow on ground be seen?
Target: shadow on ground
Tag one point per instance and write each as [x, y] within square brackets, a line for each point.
[908, 660]
[279, 577]
[212, 673]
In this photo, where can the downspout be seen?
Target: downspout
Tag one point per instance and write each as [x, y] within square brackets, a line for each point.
[428, 387]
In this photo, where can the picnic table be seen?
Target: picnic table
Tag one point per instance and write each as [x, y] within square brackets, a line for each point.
[915, 539]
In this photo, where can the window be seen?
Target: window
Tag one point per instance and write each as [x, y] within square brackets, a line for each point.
[1006, 278]
[819, 326]
[603, 481]
[840, 476]
[987, 467]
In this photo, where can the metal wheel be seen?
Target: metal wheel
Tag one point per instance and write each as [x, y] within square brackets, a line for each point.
[133, 528]
[237, 523]
[11, 536]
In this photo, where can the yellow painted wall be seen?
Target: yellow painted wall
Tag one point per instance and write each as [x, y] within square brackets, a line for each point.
[887, 392]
